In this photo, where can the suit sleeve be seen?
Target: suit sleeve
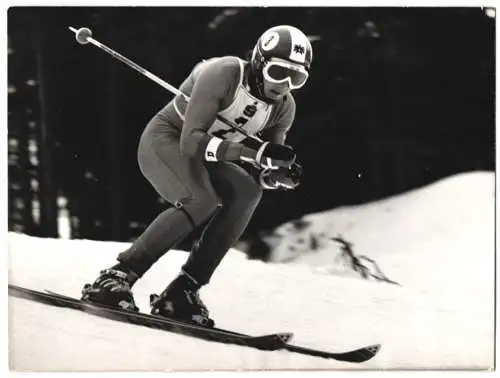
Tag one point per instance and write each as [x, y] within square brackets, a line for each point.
[278, 132]
[212, 84]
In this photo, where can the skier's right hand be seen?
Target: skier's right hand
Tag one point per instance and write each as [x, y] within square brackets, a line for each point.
[273, 156]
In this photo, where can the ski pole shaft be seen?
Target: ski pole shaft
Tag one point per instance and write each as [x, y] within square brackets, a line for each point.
[83, 36]
[133, 65]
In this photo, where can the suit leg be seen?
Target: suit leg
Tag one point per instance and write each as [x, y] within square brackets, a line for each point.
[240, 195]
[181, 181]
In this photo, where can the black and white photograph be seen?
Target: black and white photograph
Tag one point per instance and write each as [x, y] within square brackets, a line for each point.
[250, 188]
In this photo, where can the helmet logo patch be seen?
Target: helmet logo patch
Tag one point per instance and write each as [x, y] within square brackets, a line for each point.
[299, 49]
[269, 41]
[299, 46]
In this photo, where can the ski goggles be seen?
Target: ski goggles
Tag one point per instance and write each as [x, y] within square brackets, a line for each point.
[277, 71]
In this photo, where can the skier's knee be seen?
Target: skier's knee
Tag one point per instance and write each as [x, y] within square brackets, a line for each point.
[249, 194]
[199, 209]
[254, 192]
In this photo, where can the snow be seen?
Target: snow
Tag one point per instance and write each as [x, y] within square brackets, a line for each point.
[437, 242]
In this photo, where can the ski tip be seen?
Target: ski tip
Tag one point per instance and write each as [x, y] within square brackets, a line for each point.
[362, 354]
[369, 352]
[373, 349]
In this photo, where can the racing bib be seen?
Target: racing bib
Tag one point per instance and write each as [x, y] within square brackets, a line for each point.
[245, 112]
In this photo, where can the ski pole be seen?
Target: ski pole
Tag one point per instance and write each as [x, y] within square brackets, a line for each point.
[84, 36]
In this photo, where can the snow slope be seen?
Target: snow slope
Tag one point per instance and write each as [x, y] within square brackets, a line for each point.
[437, 242]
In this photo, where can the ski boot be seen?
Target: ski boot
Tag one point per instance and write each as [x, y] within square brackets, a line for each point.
[181, 301]
[111, 288]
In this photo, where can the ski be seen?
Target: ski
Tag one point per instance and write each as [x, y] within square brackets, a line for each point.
[273, 341]
[355, 356]
[269, 342]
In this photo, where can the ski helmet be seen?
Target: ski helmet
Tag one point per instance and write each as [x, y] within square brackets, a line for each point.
[284, 42]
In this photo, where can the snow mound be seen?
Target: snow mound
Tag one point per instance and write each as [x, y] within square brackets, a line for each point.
[429, 225]
[438, 242]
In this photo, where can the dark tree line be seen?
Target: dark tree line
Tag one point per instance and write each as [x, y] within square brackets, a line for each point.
[397, 98]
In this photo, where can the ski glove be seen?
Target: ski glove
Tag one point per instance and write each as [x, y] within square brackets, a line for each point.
[267, 155]
[275, 156]
[282, 178]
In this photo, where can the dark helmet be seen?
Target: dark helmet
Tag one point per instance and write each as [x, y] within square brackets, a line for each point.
[284, 42]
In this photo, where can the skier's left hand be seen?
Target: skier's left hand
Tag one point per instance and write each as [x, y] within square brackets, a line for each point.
[282, 178]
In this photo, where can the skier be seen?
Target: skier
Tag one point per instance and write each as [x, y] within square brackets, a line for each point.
[191, 159]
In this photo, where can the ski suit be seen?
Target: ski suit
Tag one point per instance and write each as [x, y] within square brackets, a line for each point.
[204, 187]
